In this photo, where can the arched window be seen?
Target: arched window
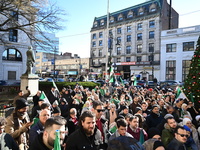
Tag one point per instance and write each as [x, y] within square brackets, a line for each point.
[152, 8]
[12, 55]
[140, 11]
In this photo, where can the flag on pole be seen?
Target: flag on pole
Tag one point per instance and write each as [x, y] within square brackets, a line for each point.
[141, 140]
[122, 82]
[111, 74]
[44, 97]
[180, 94]
[56, 88]
[57, 141]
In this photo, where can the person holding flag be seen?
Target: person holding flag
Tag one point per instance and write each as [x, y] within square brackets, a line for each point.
[53, 95]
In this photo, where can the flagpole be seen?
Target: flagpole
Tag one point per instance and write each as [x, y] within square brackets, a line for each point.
[107, 35]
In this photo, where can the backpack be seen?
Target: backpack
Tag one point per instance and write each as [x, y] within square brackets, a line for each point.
[124, 143]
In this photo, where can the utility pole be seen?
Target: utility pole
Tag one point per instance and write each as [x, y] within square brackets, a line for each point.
[54, 65]
[106, 47]
[152, 64]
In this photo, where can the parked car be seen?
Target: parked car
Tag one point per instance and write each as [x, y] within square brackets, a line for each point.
[101, 82]
[48, 79]
[140, 83]
[41, 80]
[60, 80]
[150, 84]
[3, 82]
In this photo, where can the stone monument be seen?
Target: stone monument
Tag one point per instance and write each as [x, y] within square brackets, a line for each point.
[28, 78]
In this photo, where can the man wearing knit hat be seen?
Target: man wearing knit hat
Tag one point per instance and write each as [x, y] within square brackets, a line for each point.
[18, 124]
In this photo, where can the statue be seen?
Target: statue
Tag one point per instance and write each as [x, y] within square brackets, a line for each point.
[30, 61]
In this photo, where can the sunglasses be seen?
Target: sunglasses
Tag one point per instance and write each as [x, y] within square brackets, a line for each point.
[182, 135]
[100, 110]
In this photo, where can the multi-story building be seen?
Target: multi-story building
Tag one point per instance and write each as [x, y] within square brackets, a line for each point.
[135, 38]
[13, 47]
[64, 64]
[177, 49]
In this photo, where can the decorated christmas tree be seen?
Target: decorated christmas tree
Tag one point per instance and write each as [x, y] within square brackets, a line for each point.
[192, 82]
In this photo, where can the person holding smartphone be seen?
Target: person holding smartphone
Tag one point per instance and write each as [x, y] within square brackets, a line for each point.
[18, 124]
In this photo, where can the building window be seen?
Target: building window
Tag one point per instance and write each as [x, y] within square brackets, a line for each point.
[128, 39]
[128, 49]
[95, 25]
[110, 32]
[94, 36]
[141, 13]
[151, 34]
[100, 43]
[100, 52]
[12, 55]
[100, 34]
[118, 50]
[186, 68]
[151, 47]
[118, 59]
[170, 70]
[128, 28]
[139, 48]
[94, 44]
[139, 58]
[139, 36]
[128, 59]
[139, 26]
[151, 58]
[11, 75]
[112, 20]
[120, 18]
[13, 35]
[188, 46]
[119, 30]
[14, 14]
[152, 9]
[151, 24]
[171, 47]
[119, 40]
[102, 22]
[130, 16]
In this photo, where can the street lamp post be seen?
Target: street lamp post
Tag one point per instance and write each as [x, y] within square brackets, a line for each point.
[152, 64]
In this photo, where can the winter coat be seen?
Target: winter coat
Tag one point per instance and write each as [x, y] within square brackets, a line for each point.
[176, 145]
[153, 120]
[7, 142]
[17, 130]
[35, 131]
[167, 135]
[38, 143]
[79, 141]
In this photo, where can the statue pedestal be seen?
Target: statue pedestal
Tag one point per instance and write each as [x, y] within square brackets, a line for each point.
[32, 81]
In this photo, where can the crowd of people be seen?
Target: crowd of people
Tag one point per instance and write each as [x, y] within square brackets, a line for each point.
[104, 118]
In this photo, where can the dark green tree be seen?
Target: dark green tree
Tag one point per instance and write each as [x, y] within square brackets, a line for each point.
[192, 82]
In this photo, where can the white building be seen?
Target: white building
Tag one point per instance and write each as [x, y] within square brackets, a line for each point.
[177, 49]
[13, 47]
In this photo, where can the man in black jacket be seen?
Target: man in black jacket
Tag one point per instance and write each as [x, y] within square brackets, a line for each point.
[45, 140]
[87, 136]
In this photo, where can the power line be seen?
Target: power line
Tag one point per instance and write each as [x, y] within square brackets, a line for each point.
[89, 33]
[190, 13]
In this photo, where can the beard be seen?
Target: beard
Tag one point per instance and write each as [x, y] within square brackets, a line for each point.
[50, 141]
[21, 115]
[88, 132]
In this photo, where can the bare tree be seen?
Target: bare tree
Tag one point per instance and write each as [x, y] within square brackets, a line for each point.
[33, 17]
